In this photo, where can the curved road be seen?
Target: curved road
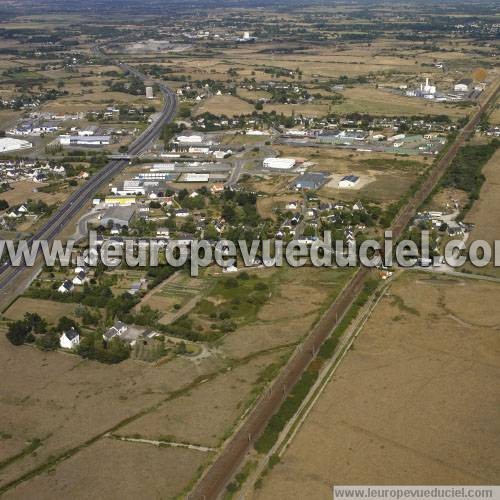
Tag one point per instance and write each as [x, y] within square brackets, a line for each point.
[79, 198]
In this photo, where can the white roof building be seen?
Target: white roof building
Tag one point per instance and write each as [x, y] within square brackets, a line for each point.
[279, 163]
[8, 144]
[192, 177]
[189, 139]
[348, 181]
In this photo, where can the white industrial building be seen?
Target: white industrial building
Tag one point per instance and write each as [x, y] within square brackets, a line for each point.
[463, 85]
[76, 140]
[129, 187]
[279, 163]
[348, 181]
[189, 139]
[199, 149]
[8, 144]
[162, 167]
[192, 177]
[395, 138]
[149, 93]
[427, 88]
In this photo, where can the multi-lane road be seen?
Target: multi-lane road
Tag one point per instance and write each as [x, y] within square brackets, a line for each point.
[79, 198]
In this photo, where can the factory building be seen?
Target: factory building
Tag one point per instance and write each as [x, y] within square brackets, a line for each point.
[464, 85]
[8, 144]
[348, 181]
[77, 140]
[279, 163]
[118, 216]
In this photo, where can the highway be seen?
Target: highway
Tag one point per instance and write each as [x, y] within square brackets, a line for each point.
[83, 195]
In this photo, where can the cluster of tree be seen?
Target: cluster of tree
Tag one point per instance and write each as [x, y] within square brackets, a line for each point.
[465, 172]
[97, 295]
[24, 330]
[194, 202]
[33, 328]
[25, 100]
[240, 207]
[289, 95]
[155, 70]
[39, 207]
[93, 346]
[159, 274]
[135, 87]
[278, 72]
[349, 80]
[144, 317]
[209, 122]
[169, 131]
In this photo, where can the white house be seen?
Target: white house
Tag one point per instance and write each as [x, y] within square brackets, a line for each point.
[116, 330]
[69, 339]
[80, 278]
[66, 287]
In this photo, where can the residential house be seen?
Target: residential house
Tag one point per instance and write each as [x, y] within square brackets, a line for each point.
[80, 278]
[66, 287]
[69, 339]
[117, 330]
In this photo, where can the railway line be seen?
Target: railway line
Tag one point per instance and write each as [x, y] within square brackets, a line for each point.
[212, 484]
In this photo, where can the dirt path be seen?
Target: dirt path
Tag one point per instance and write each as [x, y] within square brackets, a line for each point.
[164, 443]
